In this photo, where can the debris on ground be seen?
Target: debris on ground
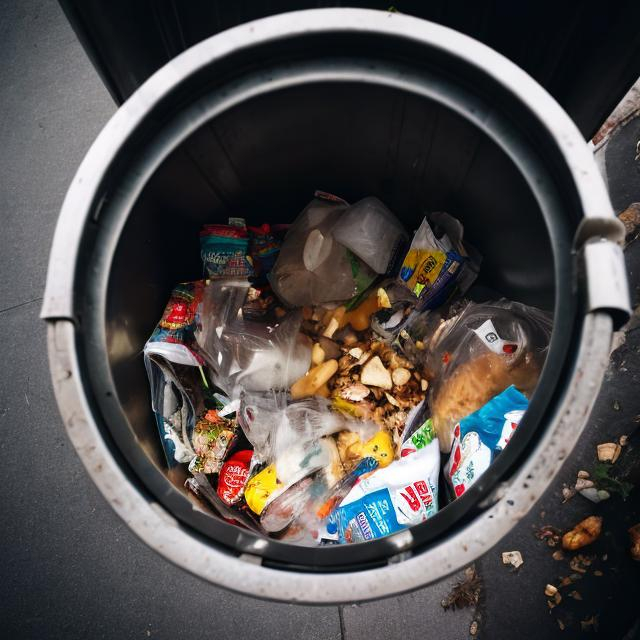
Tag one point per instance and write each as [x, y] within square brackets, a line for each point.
[630, 217]
[473, 628]
[550, 590]
[514, 558]
[575, 595]
[584, 483]
[623, 441]
[584, 533]
[550, 534]
[634, 535]
[561, 624]
[595, 495]
[581, 563]
[609, 452]
[555, 600]
[557, 555]
[465, 593]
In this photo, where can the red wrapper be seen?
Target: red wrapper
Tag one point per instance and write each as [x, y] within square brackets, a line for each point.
[233, 476]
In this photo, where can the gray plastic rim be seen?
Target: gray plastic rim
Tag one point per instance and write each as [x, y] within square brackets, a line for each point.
[152, 522]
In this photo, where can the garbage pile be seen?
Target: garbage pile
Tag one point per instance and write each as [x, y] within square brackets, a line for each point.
[325, 378]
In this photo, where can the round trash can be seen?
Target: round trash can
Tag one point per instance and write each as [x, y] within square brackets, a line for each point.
[251, 122]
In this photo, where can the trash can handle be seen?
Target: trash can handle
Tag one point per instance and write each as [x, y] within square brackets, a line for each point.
[601, 267]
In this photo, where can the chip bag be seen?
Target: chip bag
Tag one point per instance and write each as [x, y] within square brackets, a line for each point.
[224, 249]
[436, 267]
[395, 497]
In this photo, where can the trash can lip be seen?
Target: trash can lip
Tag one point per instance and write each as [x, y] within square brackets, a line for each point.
[80, 204]
[594, 200]
[244, 573]
[112, 219]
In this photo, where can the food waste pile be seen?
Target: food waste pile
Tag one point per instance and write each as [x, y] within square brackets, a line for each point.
[337, 380]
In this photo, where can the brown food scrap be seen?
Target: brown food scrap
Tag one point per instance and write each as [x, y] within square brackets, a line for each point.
[583, 534]
[392, 359]
[355, 392]
[550, 534]
[575, 595]
[598, 573]
[473, 628]
[634, 535]
[561, 624]
[395, 420]
[623, 441]
[630, 217]
[330, 347]
[580, 563]
[465, 593]
[557, 555]
[550, 590]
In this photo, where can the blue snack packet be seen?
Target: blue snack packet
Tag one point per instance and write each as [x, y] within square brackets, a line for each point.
[480, 436]
[373, 516]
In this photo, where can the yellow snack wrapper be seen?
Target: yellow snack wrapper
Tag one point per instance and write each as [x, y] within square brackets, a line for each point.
[260, 487]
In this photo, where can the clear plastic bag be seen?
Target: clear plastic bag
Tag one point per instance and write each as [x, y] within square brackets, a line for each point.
[199, 484]
[292, 441]
[312, 267]
[303, 509]
[172, 401]
[372, 232]
[477, 354]
[248, 355]
[174, 369]
[273, 426]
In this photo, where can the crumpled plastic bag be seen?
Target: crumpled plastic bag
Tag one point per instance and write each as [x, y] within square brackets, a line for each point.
[174, 368]
[248, 355]
[291, 439]
[477, 354]
[372, 232]
[313, 267]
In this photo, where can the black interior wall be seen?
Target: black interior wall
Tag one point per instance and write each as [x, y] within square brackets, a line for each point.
[586, 54]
